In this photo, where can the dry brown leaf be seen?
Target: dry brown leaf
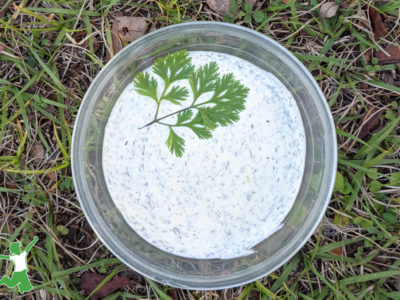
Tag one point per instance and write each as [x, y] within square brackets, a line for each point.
[11, 185]
[369, 121]
[394, 55]
[285, 1]
[368, 56]
[377, 24]
[89, 281]
[52, 176]
[221, 7]
[96, 45]
[131, 28]
[173, 294]
[338, 251]
[125, 30]
[37, 152]
[1, 47]
[328, 9]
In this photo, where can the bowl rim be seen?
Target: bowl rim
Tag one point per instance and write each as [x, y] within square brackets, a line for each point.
[328, 191]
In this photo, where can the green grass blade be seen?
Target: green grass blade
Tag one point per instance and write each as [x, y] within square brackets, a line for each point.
[105, 280]
[369, 277]
[160, 293]
[377, 139]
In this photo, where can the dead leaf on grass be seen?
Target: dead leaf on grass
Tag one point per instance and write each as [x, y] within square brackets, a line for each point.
[377, 24]
[221, 7]
[328, 10]
[173, 294]
[37, 152]
[394, 55]
[52, 176]
[1, 47]
[369, 121]
[125, 30]
[368, 56]
[338, 251]
[89, 281]
[11, 185]
[96, 45]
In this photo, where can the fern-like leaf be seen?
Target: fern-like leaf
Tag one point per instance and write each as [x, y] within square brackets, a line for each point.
[184, 116]
[175, 66]
[202, 132]
[226, 101]
[146, 85]
[230, 93]
[175, 143]
[203, 80]
[176, 94]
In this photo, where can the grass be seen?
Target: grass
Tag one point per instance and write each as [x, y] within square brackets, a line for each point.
[53, 50]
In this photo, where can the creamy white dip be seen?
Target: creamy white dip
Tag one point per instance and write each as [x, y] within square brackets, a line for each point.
[225, 194]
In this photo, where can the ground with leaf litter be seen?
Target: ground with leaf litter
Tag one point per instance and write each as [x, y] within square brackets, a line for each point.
[50, 51]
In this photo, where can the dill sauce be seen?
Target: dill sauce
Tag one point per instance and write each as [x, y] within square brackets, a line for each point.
[225, 194]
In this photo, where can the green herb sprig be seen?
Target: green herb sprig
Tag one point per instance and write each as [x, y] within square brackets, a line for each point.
[222, 108]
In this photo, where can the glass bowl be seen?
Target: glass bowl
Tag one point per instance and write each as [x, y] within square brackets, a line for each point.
[107, 221]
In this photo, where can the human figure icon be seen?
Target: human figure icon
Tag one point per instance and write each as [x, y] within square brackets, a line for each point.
[20, 277]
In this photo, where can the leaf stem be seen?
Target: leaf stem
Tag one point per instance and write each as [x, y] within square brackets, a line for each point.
[166, 86]
[194, 99]
[158, 108]
[169, 125]
[174, 113]
[171, 114]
